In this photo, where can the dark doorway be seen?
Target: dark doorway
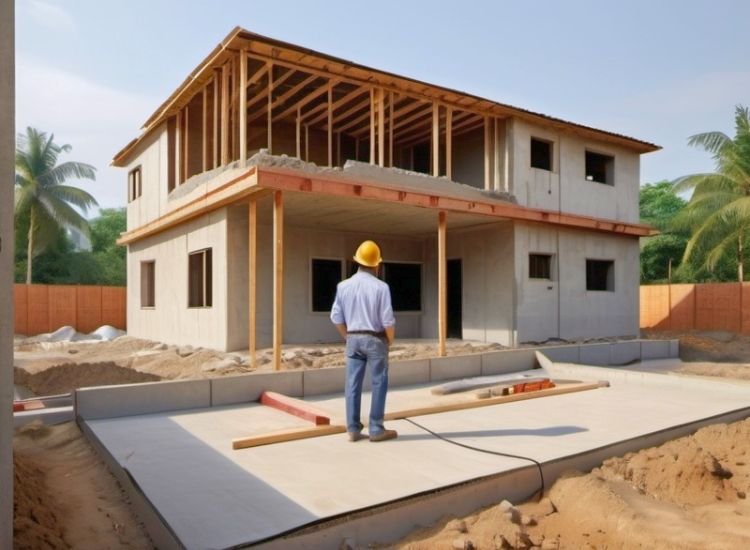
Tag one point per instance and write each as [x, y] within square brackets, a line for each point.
[455, 286]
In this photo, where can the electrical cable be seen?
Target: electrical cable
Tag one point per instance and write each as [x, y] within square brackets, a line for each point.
[540, 491]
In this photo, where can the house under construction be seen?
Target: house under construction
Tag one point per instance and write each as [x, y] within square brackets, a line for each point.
[251, 186]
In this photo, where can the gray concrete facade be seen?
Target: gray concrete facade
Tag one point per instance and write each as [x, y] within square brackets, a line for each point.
[7, 175]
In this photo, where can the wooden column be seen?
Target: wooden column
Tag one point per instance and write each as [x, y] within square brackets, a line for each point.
[178, 148]
[278, 277]
[185, 143]
[372, 126]
[307, 143]
[330, 126]
[270, 113]
[496, 149]
[243, 105]
[204, 130]
[442, 286]
[487, 154]
[390, 129]
[252, 279]
[215, 128]
[435, 139]
[381, 127]
[224, 115]
[449, 143]
[299, 132]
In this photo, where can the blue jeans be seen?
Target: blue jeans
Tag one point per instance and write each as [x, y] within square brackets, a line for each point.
[363, 350]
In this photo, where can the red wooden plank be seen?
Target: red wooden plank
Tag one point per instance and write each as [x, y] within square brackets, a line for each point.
[295, 407]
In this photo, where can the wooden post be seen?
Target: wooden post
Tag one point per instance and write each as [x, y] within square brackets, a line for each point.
[496, 149]
[372, 126]
[330, 126]
[487, 153]
[299, 132]
[252, 279]
[449, 143]
[224, 115]
[435, 139]
[270, 113]
[390, 129]
[442, 286]
[278, 277]
[178, 149]
[338, 148]
[185, 143]
[307, 143]
[243, 106]
[204, 130]
[381, 127]
[215, 128]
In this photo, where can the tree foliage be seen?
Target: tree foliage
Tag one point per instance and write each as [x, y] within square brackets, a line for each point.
[661, 254]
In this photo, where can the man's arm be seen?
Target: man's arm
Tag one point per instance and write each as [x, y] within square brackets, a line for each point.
[341, 327]
[390, 334]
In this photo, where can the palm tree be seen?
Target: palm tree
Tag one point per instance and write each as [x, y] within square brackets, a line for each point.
[41, 193]
[718, 213]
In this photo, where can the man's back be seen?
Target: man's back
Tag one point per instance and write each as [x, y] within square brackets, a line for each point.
[363, 302]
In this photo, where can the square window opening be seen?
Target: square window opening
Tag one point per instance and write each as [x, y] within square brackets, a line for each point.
[405, 281]
[600, 275]
[148, 294]
[326, 275]
[541, 154]
[600, 168]
[200, 278]
[134, 184]
[540, 266]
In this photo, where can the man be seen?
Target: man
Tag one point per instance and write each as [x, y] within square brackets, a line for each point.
[363, 315]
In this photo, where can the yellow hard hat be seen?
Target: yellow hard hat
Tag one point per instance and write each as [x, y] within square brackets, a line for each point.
[368, 254]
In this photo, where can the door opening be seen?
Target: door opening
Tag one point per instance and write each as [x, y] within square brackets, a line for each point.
[455, 287]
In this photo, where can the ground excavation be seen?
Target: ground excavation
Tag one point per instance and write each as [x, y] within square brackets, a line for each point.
[687, 493]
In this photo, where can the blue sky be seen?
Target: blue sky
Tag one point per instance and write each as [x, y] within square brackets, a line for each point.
[92, 71]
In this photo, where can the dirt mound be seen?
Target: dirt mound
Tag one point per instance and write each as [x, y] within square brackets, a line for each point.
[69, 376]
[64, 495]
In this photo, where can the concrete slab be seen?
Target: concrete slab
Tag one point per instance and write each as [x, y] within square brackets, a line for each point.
[594, 354]
[456, 366]
[53, 415]
[213, 497]
[148, 397]
[245, 388]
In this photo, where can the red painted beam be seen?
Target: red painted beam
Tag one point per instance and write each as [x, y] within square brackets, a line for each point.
[296, 407]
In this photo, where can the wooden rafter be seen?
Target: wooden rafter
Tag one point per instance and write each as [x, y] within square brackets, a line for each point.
[312, 96]
[341, 102]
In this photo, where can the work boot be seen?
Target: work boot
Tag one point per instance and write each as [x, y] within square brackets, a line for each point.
[385, 435]
[355, 436]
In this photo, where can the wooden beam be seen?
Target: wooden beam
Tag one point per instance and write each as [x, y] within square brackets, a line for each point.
[185, 142]
[496, 151]
[372, 126]
[330, 126]
[292, 91]
[298, 133]
[435, 139]
[449, 143]
[442, 285]
[243, 106]
[357, 121]
[487, 153]
[252, 281]
[204, 129]
[224, 114]
[296, 407]
[260, 97]
[381, 127]
[287, 435]
[215, 128]
[312, 96]
[354, 94]
[178, 149]
[390, 129]
[307, 143]
[278, 277]
[269, 144]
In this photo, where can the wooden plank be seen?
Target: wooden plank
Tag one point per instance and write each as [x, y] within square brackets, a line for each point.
[442, 285]
[295, 407]
[372, 126]
[215, 129]
[435, 139]
[330, 126]
[476, 403]
[390, 129]
[252, 281]
[487, 151]
[242, 105]
[204, 130]
[224, 115]
[449, 143]
[312, 96]
[269, 123]
[354, 94]
[381, 127]
[298, 133]
[479, 382]
[278, 277]
[286, 435]
[496, 150]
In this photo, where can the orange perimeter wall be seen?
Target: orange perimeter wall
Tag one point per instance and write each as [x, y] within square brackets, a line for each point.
[708, 306]
[45, 308]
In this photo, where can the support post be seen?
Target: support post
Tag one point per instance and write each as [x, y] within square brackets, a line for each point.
[449, 143]
[496, 149]
[178, 148]
[381, 127]
[330, 126]
[435, 139]
[224, 114]
[270, 108]
[185, 143]
[243, 106]
[390, 129]
[252, 280]
[307, 143]
[278, 277]
[299, 132]
[204, 130]
[215, 128]
[442, 285]
[372, 126]
[487, 154]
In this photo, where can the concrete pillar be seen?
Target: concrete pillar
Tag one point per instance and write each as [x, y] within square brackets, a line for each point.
[7, 174]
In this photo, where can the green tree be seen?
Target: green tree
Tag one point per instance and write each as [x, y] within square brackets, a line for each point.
[110, 257]
[659, 204]
[718, 213]
[41, 194]
[661, 254]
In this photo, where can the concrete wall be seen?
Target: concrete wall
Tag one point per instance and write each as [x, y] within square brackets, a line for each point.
[171, 320]
[565, 187]
[468, 158]
[487, 293]
[152, 157]
[562, 307]
[7, 173]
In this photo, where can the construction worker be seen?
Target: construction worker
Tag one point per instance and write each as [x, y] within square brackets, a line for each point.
[363, 315]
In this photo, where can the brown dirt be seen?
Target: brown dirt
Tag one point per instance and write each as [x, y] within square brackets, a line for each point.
[64, 496]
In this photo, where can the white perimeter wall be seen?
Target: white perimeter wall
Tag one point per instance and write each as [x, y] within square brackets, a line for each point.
[565, 188]
[171, 320]
[562, 307]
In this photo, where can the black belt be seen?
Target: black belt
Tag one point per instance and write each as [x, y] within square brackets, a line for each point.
[369, 332]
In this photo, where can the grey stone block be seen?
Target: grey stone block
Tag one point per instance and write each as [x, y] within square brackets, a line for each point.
[655, 349]
[459, 366]
[594, 354]
[561, 354]
[674, 349]
[324, 381]
[228, 390]
[622, 353]
[146, 398]
[406, 373]
[505, 361]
